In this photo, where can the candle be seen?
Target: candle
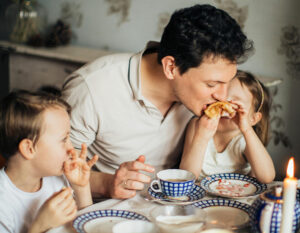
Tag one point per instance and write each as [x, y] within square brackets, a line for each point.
[289, 198]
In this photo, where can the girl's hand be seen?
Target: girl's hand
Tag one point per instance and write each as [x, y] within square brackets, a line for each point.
[77, 169]
[56, 211]
[242, 118]
[205, 127]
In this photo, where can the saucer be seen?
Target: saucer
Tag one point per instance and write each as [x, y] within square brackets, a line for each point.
[195, 195]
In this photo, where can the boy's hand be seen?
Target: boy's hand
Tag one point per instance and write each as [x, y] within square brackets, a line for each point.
[56, 211]
[77, 169]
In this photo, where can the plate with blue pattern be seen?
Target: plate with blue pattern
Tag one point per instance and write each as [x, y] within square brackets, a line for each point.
[224, 212]
[195, 195]
[103, 220]
[232, 185]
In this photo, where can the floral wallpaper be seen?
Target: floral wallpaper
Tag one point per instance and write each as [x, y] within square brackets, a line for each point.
[278, 134]
[240, 14]
[119, 7]
[290, 47]
[71, 13]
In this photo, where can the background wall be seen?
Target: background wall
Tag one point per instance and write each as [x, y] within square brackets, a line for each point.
[273, 25]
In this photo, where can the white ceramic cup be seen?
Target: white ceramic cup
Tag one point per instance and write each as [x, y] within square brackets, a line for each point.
[135, 226]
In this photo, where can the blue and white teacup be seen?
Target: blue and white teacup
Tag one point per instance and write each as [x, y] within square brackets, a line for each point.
[174, 183]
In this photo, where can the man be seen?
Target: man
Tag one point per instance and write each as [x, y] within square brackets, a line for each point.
[128, 105]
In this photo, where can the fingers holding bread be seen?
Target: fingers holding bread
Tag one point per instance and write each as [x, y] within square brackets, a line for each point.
[220, 109]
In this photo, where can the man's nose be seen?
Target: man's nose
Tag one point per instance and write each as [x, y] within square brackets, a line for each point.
[221, 93]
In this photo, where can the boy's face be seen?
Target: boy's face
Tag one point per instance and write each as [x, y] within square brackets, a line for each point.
[54, 143]
[205, 84]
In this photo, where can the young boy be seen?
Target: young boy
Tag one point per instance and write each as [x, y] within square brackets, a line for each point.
[34, 138]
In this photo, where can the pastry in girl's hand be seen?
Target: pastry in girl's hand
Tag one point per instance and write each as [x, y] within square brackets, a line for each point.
[219, 109]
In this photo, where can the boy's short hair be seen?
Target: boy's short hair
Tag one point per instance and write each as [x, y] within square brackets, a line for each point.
[21, 117]
[200, 31]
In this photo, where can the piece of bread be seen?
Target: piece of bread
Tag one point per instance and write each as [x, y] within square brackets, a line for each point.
[219, 108]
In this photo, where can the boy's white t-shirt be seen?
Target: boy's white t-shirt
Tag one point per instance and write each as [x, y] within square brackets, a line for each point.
[18, 209]
[231, 160]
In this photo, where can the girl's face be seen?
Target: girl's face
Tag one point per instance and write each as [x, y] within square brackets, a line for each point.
[53, 146]
[241, 94]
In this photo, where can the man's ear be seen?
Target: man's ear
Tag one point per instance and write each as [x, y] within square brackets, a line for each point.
[256, 117]
[169, 67]
[26, 148]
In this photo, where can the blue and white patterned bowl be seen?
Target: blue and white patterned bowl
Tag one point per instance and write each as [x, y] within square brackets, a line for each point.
[223, 210]
[250, 185]
[81, 220]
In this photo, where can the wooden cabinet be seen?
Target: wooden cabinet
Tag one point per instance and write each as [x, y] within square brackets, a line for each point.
[30, 72]
[25, 67]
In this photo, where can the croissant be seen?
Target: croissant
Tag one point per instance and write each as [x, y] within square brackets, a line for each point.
[219, 108]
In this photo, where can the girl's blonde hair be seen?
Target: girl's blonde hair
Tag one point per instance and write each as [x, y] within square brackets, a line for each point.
[261, 103]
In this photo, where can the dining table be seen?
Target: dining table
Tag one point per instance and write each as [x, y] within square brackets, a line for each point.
[143, 204]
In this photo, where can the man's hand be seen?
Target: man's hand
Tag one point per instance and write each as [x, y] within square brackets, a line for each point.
[127, 179]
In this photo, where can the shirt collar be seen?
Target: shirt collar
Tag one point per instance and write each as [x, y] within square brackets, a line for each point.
[134, 70]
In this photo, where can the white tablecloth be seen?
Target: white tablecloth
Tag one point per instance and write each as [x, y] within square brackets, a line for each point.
[139, 205]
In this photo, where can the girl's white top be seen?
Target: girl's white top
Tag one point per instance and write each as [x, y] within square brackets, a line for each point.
[230, 160]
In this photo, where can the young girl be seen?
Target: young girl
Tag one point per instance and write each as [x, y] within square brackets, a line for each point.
[220, 145]
[34, 138]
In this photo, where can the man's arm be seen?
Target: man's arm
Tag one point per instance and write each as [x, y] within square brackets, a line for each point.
[127, 179]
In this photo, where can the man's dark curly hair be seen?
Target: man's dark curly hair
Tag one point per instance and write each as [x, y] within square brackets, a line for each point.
[199, 31]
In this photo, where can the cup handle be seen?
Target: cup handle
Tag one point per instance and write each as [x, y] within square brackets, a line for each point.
[157, 184]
